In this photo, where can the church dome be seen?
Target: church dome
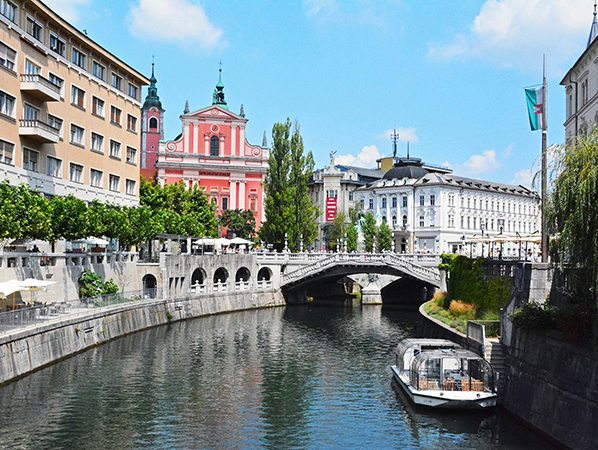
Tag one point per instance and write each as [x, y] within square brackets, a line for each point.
[406, 168]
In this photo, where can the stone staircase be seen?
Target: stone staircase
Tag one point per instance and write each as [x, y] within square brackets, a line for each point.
[495, 355]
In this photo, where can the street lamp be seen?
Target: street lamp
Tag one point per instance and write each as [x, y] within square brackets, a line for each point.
[501, 224]
[482, 227]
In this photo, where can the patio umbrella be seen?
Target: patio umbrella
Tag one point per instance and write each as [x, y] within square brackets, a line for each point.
[31, 285]
[93, 241]
[11, 287]
[240, 241]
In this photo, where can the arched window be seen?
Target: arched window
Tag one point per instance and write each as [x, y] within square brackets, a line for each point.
[214, 146]
[404, 221]
[153, 124]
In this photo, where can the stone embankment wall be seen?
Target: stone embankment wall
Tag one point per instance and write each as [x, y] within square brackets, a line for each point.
[32, 348]
[553, 386]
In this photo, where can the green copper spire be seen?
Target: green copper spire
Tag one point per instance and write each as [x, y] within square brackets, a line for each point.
[152, 98]
[218, 96]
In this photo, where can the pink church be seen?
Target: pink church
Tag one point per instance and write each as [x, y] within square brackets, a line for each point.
[211, 152]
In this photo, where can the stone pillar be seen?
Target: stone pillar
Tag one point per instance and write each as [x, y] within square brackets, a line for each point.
[221, 151]
[206, 143]
[233, 140]
[233, 195]
[241, 195]
[186, 138]
[195, 149]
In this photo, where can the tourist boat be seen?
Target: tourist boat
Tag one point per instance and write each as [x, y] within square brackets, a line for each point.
[441, 374]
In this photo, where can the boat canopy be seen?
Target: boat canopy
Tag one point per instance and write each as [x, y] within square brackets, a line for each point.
[408, 348]
[451, 370]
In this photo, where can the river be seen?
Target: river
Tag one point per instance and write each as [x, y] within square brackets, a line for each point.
[304, 377]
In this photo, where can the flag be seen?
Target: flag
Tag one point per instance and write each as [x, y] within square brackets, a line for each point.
[535, 107]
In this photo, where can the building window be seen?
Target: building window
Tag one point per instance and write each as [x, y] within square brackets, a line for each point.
[34, 28]
[462, 221]
[404, 220]
[394, 221]
[99, 71]
[362, 203]
[79, 59]
[117, 82]
[130, 186]
[451, 223]
[131, 155]
[55, 122]
[7, 104]
[133, 91]
[153, 124]
[97, 143]
[350, 196]
[8, 10]
[77, 135]
[383, 202]
[57, 44]
[371, 203]
[30, 112]
[492, 224]
[214, 146]
[114, 149]
[469, 223]
[475, 222]
[32, 69]
[394, 202]
[53, 167]
[78, 97]
[30, 160]
[131, 123]
[114, 183]
[57, 81]
[421, 200]
[8, 57]
[421, 221]
[451, 200]
[97, 106]
[6, 152]
[95, 178]
[253, 205]
[115, 115]
[224, 203]
[432, 199]
[76, 173]
[404, 201]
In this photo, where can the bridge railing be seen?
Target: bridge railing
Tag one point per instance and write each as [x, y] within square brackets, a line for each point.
[406, 263]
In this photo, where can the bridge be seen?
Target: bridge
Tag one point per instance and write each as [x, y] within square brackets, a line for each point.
[339, 264]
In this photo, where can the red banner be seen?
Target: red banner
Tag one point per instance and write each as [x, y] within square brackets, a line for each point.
[330, 209]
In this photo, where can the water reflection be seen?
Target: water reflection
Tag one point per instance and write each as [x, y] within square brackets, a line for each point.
[300, 377]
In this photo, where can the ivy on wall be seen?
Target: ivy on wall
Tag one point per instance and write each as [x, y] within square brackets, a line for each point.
[468, 284]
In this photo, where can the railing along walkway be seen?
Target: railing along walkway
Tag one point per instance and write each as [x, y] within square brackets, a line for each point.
[402, 262]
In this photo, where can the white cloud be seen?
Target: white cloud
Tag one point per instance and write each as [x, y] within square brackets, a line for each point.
[447, 164]
[67, 9]
[366, 158]
[484, 163]
[515, 33]
[174, 20]
[506, 153]
[405, 134]
[524, 177]
[346, 12]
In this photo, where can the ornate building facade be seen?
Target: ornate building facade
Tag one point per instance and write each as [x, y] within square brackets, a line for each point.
[581, 87]
[431, 210]
[211, 152]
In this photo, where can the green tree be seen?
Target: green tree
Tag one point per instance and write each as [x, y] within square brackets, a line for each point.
[143, 226]
[288, 209]
[239, 222]
[339, 228]
[370, 230]
[352, 237]
[32, 213]
[384, 241]
[573, 213]
[69, 219]
[9, 223]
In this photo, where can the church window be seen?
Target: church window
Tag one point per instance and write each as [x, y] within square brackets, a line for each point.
[214, 146]
[153, 124]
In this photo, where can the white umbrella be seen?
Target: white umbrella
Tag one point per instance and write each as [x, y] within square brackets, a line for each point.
[35, 285]
[93, 241]
[10, 287]
[240, 241]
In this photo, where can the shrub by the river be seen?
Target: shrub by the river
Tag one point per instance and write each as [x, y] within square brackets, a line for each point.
[533, 316]
[92, 285]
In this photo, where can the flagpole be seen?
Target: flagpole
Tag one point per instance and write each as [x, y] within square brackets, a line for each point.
[544, 175]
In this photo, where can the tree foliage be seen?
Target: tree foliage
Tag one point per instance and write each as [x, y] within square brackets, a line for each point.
[384, 241]
[288, 208]
[240, 222]
[370, 230]
[352, 237]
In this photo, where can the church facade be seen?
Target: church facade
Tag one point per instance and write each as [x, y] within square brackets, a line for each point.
[212, 153]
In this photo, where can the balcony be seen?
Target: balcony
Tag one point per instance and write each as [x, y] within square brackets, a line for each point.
[40, 88]
[39, 131]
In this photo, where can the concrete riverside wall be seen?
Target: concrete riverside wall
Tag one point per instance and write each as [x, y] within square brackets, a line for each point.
[31, 348]
[429, 327]
[553, 387]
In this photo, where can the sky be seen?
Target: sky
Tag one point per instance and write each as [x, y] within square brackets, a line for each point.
[447, 75]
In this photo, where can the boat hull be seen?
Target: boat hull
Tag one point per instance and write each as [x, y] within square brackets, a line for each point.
[445, 399]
